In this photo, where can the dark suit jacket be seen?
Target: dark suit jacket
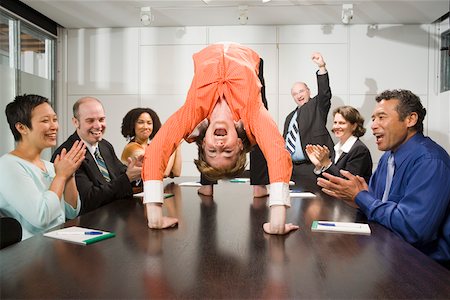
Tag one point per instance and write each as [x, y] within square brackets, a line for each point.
[357, 161]
[94, 190]
[312, 117]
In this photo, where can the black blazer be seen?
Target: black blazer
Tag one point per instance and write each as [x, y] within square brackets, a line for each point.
[93, 188]
[312, 117]
[357, 161]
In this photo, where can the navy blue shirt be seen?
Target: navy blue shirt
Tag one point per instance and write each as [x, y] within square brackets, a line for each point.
[418, 206]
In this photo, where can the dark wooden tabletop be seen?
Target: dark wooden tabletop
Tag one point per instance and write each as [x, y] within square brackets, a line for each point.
[219, 250]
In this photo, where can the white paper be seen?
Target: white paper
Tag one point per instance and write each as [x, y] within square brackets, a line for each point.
[190, 183]
[77, 235]
[342, 227]
[302, 194]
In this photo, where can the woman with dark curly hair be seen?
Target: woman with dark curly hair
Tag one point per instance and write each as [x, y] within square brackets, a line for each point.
[139, 126]
[350, 153]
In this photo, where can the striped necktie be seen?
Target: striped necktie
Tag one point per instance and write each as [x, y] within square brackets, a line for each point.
[102, 165]
[291, 138]
[389, 175]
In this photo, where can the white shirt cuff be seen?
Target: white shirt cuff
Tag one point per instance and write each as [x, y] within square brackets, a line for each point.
[153, 191]
[279, 194]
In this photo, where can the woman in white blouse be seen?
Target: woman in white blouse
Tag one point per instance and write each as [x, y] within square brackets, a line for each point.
[36, 192]
[351, 154]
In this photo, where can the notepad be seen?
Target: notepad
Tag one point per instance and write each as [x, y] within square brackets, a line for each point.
[80, 235]
[342, 227]
[301, 194]
[190, 183]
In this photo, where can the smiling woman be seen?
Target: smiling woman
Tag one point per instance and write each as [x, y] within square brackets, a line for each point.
[139, 126]
[350, 153]
[38, 193]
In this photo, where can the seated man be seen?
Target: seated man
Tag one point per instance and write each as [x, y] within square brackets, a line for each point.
[409, 193]
[224, 93]
[102, 177]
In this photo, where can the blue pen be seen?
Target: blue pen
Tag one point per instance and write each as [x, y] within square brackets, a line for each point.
[93, 233]
[80, 232]
[342, 224]
[327, 224]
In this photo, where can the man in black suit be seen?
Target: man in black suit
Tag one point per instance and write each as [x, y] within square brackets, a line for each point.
[102, 177]
[307, 123]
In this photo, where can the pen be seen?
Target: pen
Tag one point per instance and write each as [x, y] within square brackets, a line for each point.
[340, 224]
[81, 232]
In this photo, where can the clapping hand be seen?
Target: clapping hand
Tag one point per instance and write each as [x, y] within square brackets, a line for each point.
[134, 168]
[318, 155]
[67, 162]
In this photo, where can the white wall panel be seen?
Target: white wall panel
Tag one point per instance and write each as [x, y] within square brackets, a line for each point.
[295, 64]
[388, 57]
[243, 34]
[167, 69]
[103, 61]
[365, 104]
[163, 105]
[312, 34]
[172, 35]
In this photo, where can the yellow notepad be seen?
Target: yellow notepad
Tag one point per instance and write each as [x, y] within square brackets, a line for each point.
[80, 235]
[342, 227]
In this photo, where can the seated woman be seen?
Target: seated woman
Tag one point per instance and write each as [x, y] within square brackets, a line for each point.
[139, 126]
[224, 114]
[350, 153]
[37, 193]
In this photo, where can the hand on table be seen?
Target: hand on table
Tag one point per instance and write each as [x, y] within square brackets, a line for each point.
[155, 217]
[277, 224]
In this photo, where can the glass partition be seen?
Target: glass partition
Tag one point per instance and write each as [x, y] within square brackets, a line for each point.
[27, 56]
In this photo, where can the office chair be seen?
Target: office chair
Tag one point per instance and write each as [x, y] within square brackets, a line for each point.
[10, 231]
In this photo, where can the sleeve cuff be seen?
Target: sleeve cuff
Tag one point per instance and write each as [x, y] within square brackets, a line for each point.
[279, 194]
[153, 191]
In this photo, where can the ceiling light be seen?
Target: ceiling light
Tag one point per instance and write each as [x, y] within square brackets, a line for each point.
[265, 1]
[146, 16]
[347, 13]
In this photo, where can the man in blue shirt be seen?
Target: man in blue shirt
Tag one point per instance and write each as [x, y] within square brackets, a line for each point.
[416, 204]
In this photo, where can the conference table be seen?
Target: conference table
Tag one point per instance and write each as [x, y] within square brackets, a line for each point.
[219, 250]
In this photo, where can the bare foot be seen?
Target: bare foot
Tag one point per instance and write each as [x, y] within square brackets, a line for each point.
[260, 191]
[206, 190]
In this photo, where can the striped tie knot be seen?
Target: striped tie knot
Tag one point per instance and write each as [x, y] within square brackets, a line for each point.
[102, 165]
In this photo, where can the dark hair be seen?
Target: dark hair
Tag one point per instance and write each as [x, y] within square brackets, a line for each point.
[408, 103]
[352, 115]
[212, 173]
[130, 119]
[19, 111]
[76, 105]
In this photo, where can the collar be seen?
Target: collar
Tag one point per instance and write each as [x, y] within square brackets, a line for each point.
[347, 145]
[406, 149]
[90, 148]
